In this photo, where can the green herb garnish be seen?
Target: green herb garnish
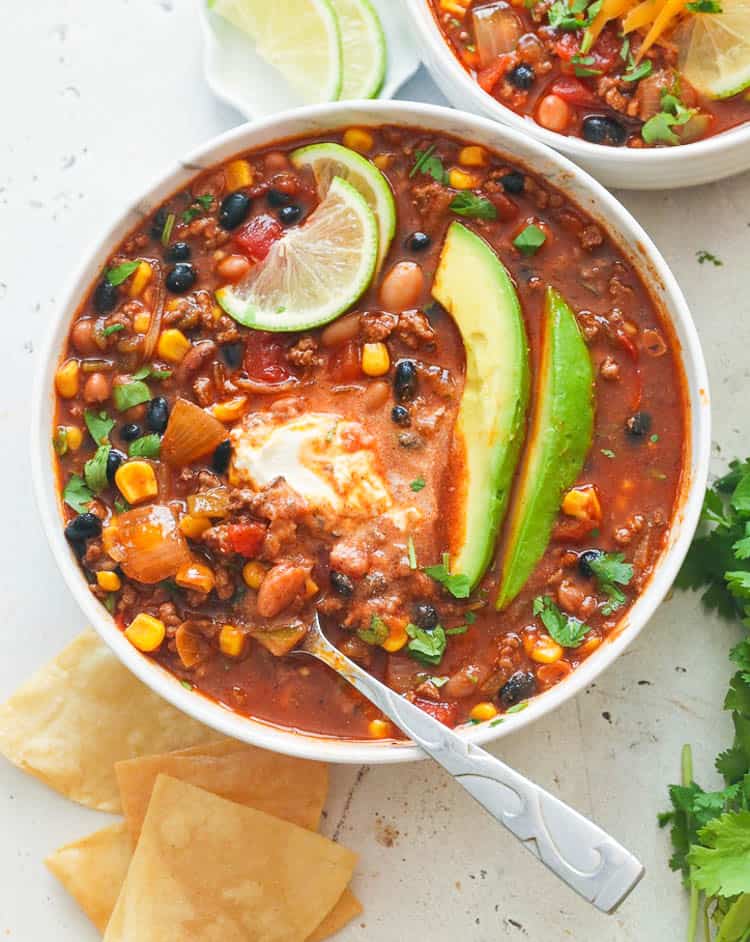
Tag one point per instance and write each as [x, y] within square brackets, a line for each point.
[611, 571]
[99, 425]
[129, 395]
[417, 484]
[95, 469]
[427, 647]
[427, 162]
[456, 583]
[565, 629]
[703, 256]
[673, 114]
[571, 16]
[519, 707]
[60, 440]
[146, 372]
[705, 6]
[121, 506]
[201, 204]
[634, 73]
[112, 329]
[375, 633]
[582, 66]
[476, 207]
[608, 453]
[116, 276]
[77, 495]
[166, 233]
[530, 240]
[147, 446]
[412, 554]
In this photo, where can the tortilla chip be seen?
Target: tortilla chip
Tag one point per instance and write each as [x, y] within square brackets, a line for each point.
[83, 712]
[342, 913]
[209, 870]
[292, 789]
[93, 870]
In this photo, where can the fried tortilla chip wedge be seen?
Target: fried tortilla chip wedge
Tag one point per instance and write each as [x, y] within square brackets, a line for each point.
[288, 788]
[210, 870]
[83, 712]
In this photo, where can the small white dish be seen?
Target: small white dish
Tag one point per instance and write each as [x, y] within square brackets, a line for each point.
[237, 75]
[654, 168]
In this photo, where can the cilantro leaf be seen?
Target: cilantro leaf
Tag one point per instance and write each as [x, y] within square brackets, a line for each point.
[634, 73]
[476, 207]
[147, 446]
[658, 129]
[425, 646]
[530, 240]
[77, 494]
[720, 865]
[705, 6]
[564, 629]
[429, 163]
[611, 571]
[119, 274]
[417, 484]
[200, 204]
[112, 329]
[571, 16]
[456, 583]
[99, 425]
[150, 371]
[375, 633]
[129, 395]
[95, 469]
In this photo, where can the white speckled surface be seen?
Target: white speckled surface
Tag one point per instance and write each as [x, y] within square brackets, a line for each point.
[96, 98]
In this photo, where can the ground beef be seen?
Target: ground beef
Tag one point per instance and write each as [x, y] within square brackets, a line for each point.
[610, 89]
[590, 237]
[377, 325]
[414, 328]
[206, 228]
[431, 200]
[278, 501]
[304, 353]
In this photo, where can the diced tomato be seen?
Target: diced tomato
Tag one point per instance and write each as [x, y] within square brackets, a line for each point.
[606, 51]
[445, 713]
[345, 364]
[257, 236]
[246, 539]
[489, 77]
[572, 530]
[568, 46]
[574, 92]
[265, 358]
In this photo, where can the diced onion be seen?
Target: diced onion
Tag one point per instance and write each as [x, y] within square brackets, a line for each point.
[497, 29]
[191, 434]
[191, 646]
[211, 503]
[147, 543]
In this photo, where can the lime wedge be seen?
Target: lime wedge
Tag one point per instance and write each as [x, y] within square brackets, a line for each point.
[715, 50]
[301, 38]
[363, 44]
[315, 272]
[328, 161]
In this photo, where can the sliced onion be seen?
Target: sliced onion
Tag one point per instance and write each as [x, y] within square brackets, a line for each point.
[213, 503]
[147, 543]
[497, 29]
[191, 646]
[154, 326]
[191, 434]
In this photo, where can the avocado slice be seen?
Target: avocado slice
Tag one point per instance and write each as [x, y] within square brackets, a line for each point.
[561, 431]
[472, 284]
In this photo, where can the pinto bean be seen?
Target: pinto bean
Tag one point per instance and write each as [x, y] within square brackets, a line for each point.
[466, 681]
[195, 358]
[83, 336]
[97, 388]
[233, 267]
[402, 286]
[280, 587]
[341, 331]
[376, 395]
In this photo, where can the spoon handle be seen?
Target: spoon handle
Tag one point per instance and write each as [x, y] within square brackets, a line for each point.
[575, 849]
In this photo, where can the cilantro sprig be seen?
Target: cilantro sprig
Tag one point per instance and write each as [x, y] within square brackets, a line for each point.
[428, 162]
[427, 647]
[571, 16]
[611, 571]
[456, 583]
[673, 114]
[568, 631]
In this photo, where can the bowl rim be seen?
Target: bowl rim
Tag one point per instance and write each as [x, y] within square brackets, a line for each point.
[625, 158]
[319, 118]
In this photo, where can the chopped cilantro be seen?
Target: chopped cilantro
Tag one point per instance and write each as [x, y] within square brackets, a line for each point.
[147, 446]
[703, 256]
[129, 395]
[95, 469]
[654, 438]
[518, 707]
[583, 66]
[625, 49]
[457, 630]
[116, 276]
[496, 722]
[186, 684]
[146, 372]
[476, 207]
[121, 505]
[375, 633]
[99, 425]
[456, 583]
[611, 571]
[608, 453]
[634, 73]
[412, 554]
[658, 129]
[438, 681]
[427, 647]
[77, 494]
[166, 234]
[417, 484]
[563, 628]
[572, 16]
[705, 6]
[427, 162]
[60, 440]
[530, 240]
[200, 205]
[112, 329]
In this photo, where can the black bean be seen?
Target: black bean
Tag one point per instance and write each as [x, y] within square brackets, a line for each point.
[220, 460]
[157, 415]
[290, 214]
[105, 297]
[602, 129]
[400, 415]
[426, 616]
[638, 424]
[341, 584]
[178, 252]
[129, 433]
[586, 558]
[233, 354]
[158, 223]
[83, 527]
[278, 198]
[181, 278]
[522, 76]
[513, 182]
[518, 687]
[234, 210]
[114, 460]
[418, 242]
[405, 380]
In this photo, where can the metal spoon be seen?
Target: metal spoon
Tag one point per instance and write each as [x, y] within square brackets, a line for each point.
[572, 847]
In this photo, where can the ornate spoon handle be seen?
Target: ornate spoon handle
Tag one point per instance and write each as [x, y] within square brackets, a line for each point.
[579, 852]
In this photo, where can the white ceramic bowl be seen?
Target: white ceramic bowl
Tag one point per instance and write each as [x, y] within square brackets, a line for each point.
[560, 172]
[626, 167]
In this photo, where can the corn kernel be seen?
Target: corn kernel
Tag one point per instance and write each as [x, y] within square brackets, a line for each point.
[545, 650]
[140, 279]
[397, 636]
[359, 140]
[141, 322]
[382, 161]
[231, 641]
[590, 643]
[461, 180]
[582, 503]
[379, 729]
[311, 588]
[109, 581]
[197, 576]
[483, 711]
[253, 573]
[74, 437]
[173, 345]
[375, 359]
[145, 632]
[68, 379]
[473, 156]
[239, 173]
[136, 481]
[454, 7]
[193, 526]
[217, 312]
[231, 410]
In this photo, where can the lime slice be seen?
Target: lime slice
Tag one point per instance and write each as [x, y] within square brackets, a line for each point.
[328, 161]
[363, 44]
[301, 38]
[315, 272]
[715, 50]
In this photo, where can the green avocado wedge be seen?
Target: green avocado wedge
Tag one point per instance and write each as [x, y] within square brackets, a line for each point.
[561, 431]
[472, 284]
